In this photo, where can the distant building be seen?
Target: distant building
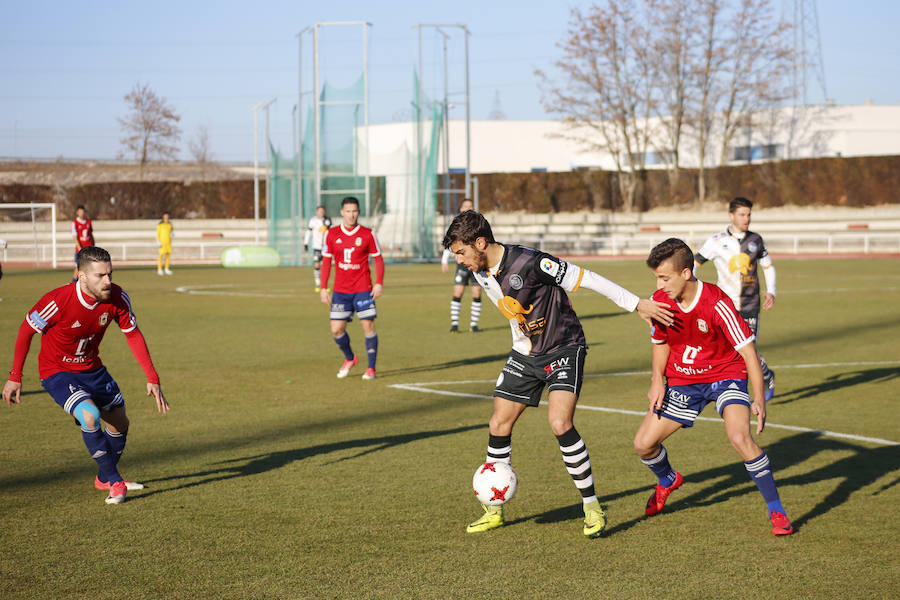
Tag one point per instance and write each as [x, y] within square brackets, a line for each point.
[524, 146]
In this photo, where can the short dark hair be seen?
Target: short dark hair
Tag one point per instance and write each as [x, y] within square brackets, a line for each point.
[672, 248]
[350, 200]
[467, 227]
[739, 202]
[92, 254]
[80, 207]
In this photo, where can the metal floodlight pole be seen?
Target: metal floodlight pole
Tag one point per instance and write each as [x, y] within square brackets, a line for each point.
[365, 27]
[299, 172]
[445, 109]
[319, 102]
[467, 33]
[317, 131]
[294, 228]
[256, 163]
[256, 168]
[468, 120]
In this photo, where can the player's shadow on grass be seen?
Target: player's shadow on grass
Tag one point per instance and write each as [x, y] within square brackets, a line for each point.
[839, 381]
[851, 474]
[264, 463]
[505, 327]
[450, 364]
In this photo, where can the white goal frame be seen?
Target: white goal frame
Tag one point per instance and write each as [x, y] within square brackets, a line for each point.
[32, 206]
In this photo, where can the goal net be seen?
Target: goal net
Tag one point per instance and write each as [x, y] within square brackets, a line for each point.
[29, 230]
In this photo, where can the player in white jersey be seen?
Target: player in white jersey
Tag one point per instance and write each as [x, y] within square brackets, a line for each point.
[317, 228]
[736, 252]
[461, 279]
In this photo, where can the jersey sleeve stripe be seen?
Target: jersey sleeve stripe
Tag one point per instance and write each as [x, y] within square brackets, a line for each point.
[377, 246]
[49, 310]
[731, 324]
[580, 277]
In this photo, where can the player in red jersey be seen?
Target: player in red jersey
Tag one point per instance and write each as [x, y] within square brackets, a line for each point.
[705, 356]
[83, 233]
[352, 245]
[72, 320]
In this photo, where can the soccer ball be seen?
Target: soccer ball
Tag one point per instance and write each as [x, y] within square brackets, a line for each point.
[494, 483]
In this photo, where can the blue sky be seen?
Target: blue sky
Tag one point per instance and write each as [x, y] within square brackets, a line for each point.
[65, 66]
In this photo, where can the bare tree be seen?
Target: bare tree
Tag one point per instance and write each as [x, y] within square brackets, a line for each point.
[758, 64]
[199, 145]
[675, 25]
[151, 127]
[608, 99]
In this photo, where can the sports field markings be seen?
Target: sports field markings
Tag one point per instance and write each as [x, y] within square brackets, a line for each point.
[426, 388]
[228, 289]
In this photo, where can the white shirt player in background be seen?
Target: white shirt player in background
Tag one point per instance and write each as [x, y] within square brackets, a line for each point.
[462, 278]
[736, 254]
[317, 228]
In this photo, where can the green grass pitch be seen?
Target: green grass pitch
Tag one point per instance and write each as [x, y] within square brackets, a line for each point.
[271, 478]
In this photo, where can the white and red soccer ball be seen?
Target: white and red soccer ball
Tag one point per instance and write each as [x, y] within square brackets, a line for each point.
[494, 483]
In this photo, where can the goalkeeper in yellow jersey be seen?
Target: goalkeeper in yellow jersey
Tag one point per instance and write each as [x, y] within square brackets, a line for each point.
[164, 237]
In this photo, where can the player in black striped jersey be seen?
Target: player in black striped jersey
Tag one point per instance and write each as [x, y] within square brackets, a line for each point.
[735, 253]
[529, 287]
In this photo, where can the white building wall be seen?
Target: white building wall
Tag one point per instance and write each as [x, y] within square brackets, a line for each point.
[521, 146]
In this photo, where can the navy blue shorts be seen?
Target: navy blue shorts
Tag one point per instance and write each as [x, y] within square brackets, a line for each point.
[70, 389]
[344, 305]
[683, 403]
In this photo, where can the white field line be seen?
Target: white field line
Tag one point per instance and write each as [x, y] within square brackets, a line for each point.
[426, 389]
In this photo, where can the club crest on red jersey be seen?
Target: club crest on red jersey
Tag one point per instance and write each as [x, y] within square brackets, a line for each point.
[702, 326]
[358, 242]
[104, 318]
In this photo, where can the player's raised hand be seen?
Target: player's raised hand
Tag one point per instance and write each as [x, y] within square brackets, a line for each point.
[11, 391]
[651, 310]
[325, 296]
[759, 409]
[154, 390]
[377, 291]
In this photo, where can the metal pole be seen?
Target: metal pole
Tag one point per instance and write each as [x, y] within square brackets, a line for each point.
[256, 169]
[420, 93]
[316, 118]
[302, 210]
[446, 127]
[468, 121]
[366, 108]
[294, 228]
[53, 231]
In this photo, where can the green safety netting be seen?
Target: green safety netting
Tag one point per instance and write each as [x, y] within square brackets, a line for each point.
[399, 201]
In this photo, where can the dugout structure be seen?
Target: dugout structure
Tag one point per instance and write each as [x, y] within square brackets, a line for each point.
[332, 157]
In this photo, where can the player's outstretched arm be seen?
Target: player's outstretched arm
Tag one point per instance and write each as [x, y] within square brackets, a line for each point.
[11, 391]
[575, 277]
[13, 387]
[755, 376]
[153, 389]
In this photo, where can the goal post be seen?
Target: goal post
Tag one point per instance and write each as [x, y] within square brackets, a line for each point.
[24, 229]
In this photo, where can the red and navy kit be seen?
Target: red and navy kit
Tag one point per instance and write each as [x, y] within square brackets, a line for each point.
[84, 232]
[704, 339]
[72, 325]
[351, 250]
